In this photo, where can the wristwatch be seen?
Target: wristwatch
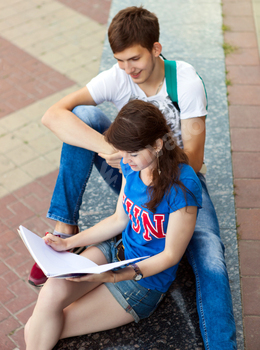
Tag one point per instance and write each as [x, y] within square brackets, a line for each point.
[138, 274]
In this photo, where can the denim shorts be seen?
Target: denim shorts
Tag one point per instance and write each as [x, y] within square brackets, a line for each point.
[137, 300]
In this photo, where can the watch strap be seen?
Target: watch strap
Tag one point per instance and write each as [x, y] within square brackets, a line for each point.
[137, 271]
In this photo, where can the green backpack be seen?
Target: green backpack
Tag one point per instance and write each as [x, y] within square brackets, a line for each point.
[171, 82]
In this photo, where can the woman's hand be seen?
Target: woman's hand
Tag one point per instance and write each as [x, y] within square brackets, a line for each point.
[57, 243]
[107, 276]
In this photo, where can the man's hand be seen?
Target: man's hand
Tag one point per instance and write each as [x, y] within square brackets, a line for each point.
[55, 242]
[112, 159]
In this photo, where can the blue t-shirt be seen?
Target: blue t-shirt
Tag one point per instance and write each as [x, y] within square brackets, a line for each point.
[145, 232]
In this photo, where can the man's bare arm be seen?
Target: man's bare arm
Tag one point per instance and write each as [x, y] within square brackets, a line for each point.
[69, 128]
[193, 137]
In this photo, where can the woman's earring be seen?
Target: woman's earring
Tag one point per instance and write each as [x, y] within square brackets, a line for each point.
[158, 163]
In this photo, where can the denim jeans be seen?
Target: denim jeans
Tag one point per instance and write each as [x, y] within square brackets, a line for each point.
[205, 251]
[137, 300]
[75, 168]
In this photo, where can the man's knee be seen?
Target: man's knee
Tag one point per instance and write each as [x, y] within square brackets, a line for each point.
[93, 117]
[208, 252]
[85, 113]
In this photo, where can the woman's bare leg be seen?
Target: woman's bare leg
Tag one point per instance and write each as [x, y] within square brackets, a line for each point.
[44, 328]
[94, 312]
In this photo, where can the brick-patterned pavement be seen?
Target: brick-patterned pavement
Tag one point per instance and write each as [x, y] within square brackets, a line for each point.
[24, 79]
[242, 19]
[43, 47]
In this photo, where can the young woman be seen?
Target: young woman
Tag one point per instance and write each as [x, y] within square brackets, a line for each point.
[156, 214]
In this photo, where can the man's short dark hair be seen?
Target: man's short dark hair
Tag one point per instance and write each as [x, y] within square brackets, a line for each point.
[133, 26]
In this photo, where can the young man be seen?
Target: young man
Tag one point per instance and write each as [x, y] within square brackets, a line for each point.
[140, 74]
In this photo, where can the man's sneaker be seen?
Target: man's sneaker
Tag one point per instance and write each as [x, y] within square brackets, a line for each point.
[37, 278]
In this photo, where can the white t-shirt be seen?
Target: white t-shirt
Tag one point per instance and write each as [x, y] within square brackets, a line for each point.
[115, 86]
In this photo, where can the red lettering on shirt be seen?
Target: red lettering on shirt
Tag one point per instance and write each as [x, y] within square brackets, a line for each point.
[156, 231]
[129, 204]
[137, 212]
[148, 228]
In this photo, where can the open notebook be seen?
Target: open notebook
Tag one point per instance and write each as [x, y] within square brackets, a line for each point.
[62, 264]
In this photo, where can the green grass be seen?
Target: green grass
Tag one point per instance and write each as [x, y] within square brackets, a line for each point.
[228, 49]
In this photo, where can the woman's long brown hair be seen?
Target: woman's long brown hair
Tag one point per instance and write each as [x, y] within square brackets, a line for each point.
[137, 126]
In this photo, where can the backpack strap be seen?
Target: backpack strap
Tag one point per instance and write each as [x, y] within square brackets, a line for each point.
[171, 79]
[170, 68]
[171, 82]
